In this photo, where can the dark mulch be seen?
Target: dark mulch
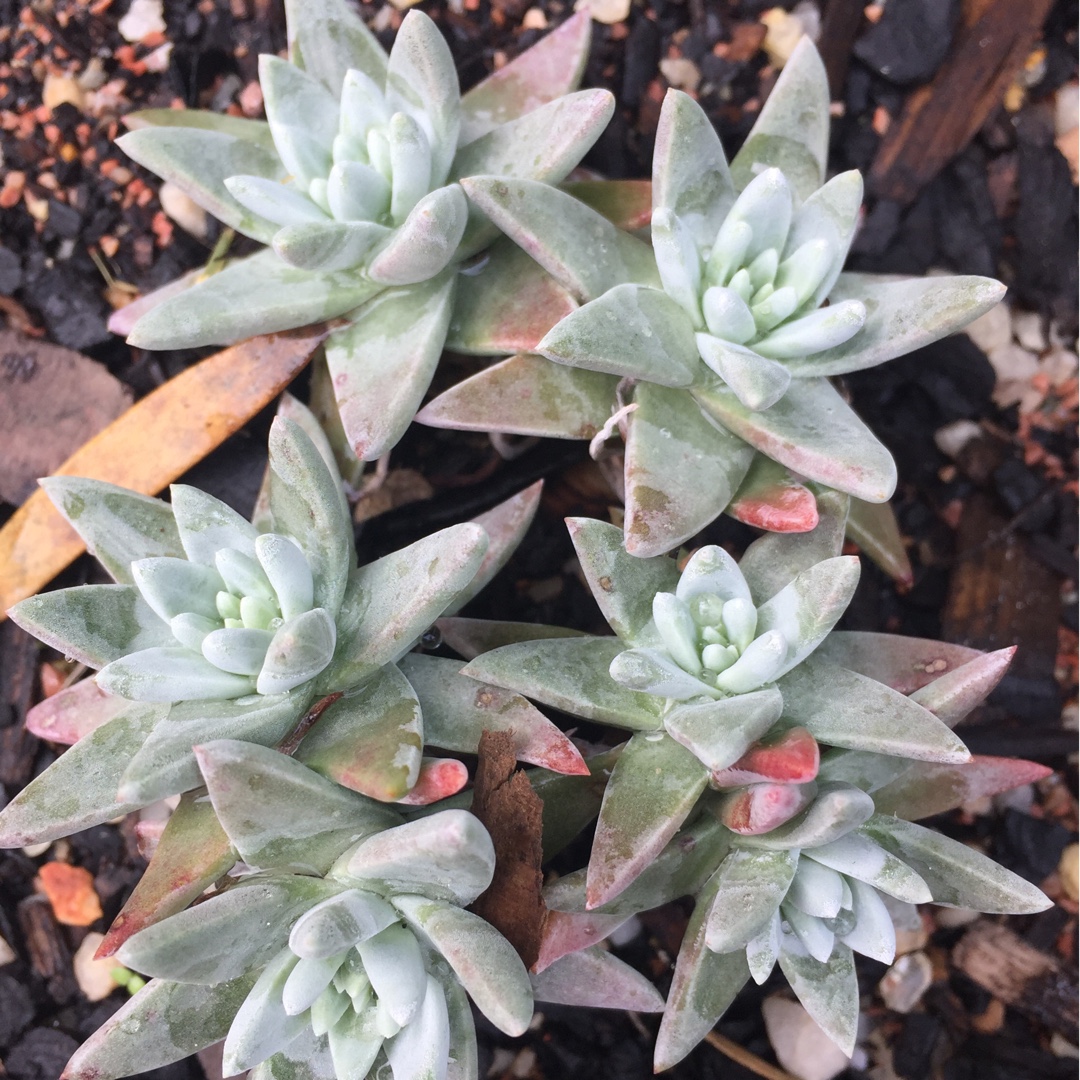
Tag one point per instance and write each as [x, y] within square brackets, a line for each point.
[997, 524]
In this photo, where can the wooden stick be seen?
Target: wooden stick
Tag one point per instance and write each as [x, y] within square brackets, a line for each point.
[748, 1060]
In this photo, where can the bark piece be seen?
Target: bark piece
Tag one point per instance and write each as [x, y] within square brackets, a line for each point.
[505, 802]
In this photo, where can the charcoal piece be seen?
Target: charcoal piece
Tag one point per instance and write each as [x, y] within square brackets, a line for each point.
[71, 306]
[642, 58]
[16, 1010]
[1019, 488]
[915, 1046]
[909, 42]
[11, 274]
[64, 221]
[40, 1055]
[1031, 846]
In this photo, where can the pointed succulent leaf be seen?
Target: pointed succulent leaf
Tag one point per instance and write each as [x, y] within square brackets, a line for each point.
[807, 934]
[421, 80]
[94, 624]
[690, 171]
[506, 525]
[758, 382]
[488, 319]
[439, 778]
[771, 498]
[548, 70]
[306, 503]
[873, 526]
[257, 295]
[926, 788]
[570, 674]
[842, 708]
[382, 362]
[828, 991]
[119, 526]
[748, 888]
[281, 203]
[951, 696]
[631, 331]
[652, 671]
[720, 732]
[596, 978]
[174, 586]
[957, 875]
[327, 37]
[262, 1027]
[199, 160]
[165, 765]
[859, 858]
[169, 674]
[327, 246]
[569, 932]
[281, 815]
[306, 1057]
[773, 561]
[254, 918]
[904, 663]
[815, 434]
[632, 831]
[207, 525]
[256, 131]
[371, 740]
[463, 1063]
[354, 1041]
[424, 243]
[681, 470]
[763, 950]
[807, 608]
[298, 651]
[874, 934]
[376, 626]
[813, 333]
[678, 263]
[395, 965]
[623, 586]
[482, 959]
[79, 789]
[471, 637]
[526, 395]
[303, 118]
[792, 129]
[582, 250]
[762, 808]
[836, 811]
[192, 853]
[901, 316]
[73, 712]
[457, 711]
[787, 757]
[422, 1050]
[162, 1023]
[544, 145]
[339, 923]
[447, 856]
[704, 986]
[816, 890]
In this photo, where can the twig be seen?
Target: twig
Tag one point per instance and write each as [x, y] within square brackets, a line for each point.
[289, 745]
[741, 1056]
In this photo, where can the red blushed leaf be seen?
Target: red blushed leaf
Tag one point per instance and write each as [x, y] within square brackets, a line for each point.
[762, 807]
[791, 757]
[785, 507]
[439, 778]
[70, 714]
[928, 788]
[567, 932]
[193, 853]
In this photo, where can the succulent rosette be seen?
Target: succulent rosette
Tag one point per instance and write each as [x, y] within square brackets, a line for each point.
[216, 627]
[352, 182]
[343, 952]
[726, 675]
[712, 349]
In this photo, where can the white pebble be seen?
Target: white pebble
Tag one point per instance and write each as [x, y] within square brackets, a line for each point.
[952, 438]
[992, 329]
[904, 984]
[800, 1045]
[187, 213]
[94, 976]
[143, 18]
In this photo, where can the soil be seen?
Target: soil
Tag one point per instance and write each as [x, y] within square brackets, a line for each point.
[991, 530]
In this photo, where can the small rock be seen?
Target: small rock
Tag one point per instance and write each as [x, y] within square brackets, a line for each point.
[7, 953]
[1062, 1048]
[40, 1055]
[251, 99]
[904, 984]
[800, 1045]
[1012, 362]
[404, 5]
[1020, 798]
[93, 976]
[953, 918]
[991, 330]
[952, 438]
[910, 40]
[605, 11]
[187, 213]
[60, 90]
[16, 1010]
[534, 19]
[1067, 871]
[1067, 108]
[1059, 366]
[158, 60]
[1028, 330]
[784, 29]
[912, 933]
[681, 73]
[70, 890]
[143, 18]
[34, 851]
[93, 76]
[1069, 147]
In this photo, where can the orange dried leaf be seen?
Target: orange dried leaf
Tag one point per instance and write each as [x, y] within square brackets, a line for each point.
[150, 445]
[70, 891]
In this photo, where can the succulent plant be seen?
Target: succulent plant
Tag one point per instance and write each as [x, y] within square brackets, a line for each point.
[725, 676]
[352, 181]
[217, 629]
[343, 952]
[711, 351]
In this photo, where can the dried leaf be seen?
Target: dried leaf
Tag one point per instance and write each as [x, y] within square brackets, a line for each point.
[198, 409]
